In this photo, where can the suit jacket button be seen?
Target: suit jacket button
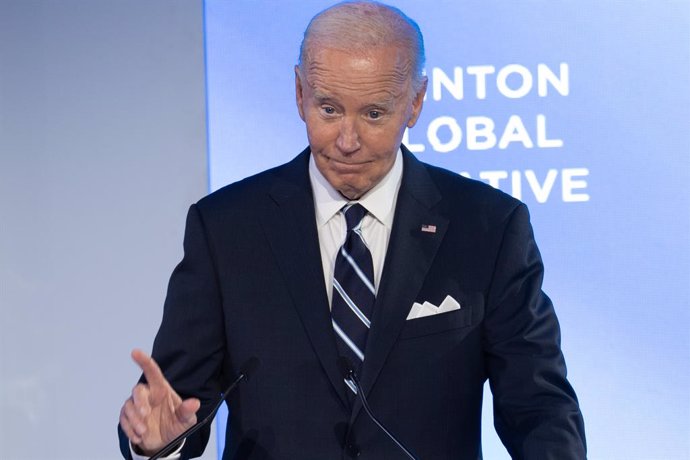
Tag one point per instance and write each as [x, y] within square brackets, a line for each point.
[353, 450]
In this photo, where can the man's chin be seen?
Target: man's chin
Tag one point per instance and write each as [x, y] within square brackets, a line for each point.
[350, 191]
[351, 195]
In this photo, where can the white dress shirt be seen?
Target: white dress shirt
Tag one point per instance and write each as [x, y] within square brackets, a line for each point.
[173, 456]
[376, 225]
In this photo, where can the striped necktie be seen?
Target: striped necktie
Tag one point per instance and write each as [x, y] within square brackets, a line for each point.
[353, 289]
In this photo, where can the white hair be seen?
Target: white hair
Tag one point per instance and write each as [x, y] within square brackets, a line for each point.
[362, 25]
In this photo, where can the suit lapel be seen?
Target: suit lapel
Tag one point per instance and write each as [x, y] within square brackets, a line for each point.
[290, 226]
[409, 256]
[291, 231]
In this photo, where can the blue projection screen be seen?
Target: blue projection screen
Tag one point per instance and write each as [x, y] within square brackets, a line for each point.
[581, 110]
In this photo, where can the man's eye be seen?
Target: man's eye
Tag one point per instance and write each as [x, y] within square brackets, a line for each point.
[329, 110]
[374, 114]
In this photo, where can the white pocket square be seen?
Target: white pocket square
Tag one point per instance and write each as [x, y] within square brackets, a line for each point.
[427, 308]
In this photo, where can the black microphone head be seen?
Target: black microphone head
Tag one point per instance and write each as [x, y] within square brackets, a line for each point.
[346, 367]
[249, 367]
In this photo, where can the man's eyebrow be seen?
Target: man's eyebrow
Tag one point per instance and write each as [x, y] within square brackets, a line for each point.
[322, 97]
[384, 103]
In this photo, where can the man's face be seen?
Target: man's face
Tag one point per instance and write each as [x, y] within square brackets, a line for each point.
[356, 108]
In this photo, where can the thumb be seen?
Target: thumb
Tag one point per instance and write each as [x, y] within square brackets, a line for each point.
[186, 411]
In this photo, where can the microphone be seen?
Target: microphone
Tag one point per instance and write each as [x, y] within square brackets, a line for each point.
[245, 372]
[348, 372]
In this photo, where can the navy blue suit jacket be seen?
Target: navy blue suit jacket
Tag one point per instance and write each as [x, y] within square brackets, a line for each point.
[251, 285]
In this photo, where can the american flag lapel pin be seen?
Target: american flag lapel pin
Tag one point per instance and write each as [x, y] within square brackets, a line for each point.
[428, 228]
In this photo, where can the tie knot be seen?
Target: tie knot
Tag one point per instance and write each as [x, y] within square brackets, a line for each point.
[353, 215]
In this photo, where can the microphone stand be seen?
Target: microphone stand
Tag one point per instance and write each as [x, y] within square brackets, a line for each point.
[349, 373]
[172, 445]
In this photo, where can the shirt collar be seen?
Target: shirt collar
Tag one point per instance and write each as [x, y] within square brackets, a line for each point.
[379, 201]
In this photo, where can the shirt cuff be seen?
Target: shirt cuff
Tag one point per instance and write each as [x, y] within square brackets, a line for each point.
[173, 456]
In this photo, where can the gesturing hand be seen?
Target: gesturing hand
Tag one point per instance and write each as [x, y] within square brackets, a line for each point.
[155, 414]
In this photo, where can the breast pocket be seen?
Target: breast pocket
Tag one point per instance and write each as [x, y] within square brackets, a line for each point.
[437, 324]
[470, 313]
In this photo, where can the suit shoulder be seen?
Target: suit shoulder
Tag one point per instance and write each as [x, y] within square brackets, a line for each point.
[252, 191]
[469, 193]
[242, 191]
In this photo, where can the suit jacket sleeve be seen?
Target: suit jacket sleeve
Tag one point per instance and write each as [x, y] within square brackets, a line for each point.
[536, 412]
[189, 346]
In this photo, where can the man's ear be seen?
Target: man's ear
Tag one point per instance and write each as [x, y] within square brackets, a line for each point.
[417, 103]
[299, 92]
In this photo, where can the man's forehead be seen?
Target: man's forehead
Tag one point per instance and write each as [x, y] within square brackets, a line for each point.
[386, 64]
[393, 53]
[380, 93]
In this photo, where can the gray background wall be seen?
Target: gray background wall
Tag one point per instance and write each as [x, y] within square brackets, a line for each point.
[102, 149]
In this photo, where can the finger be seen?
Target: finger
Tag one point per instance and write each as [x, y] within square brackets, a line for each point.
[136, 421]
[131, 435]
[140, 397]
[186, 411]
[126, 426]
[148, 365]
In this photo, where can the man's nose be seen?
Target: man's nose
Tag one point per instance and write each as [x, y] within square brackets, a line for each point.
[348, 139]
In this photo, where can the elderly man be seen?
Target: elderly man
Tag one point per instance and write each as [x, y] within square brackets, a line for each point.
[429, 283]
